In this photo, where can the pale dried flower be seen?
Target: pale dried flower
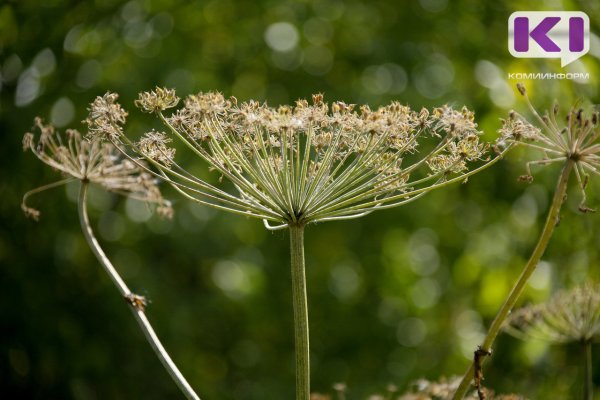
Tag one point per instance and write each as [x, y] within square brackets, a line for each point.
[90, 161]
[106, 117]
[516, 129]
[153, 145]
[310, 162]
[569, 316]
[157, 100]
[459, 123]
[558, 142]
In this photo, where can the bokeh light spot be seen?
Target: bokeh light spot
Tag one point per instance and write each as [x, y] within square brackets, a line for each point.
[62, 112]
[282, 36]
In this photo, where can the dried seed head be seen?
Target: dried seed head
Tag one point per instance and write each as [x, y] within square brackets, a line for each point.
[207, 104]
[90, 161]
[576, 142]
[153, 145]
[516, 128]
[312, 161]
[459, 123]
[157, 100]
[106, 118]
[569, 316]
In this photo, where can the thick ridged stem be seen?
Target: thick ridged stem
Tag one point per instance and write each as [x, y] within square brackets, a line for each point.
[136, 308]
[300, 312]
[551, 221]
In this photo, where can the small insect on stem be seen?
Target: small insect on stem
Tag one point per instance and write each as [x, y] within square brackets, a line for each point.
[479, 355]
[136, 301]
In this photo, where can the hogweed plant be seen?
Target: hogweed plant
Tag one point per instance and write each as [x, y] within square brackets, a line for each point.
[570, 316]
[575, 146]
[94, 162]
[295, 165]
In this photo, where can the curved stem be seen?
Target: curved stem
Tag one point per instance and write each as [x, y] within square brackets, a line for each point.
[551, 221]
[300, 313]
[45, 187]
[137, 303]
[588, 391]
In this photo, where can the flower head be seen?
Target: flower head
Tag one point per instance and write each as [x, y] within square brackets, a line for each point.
[575, 140]
[312, 161]
[154, 146]
[570, 316]
[106, 117]
[90, 161]
[157, 100]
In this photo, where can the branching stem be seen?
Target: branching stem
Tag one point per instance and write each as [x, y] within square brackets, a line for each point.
[135, 302]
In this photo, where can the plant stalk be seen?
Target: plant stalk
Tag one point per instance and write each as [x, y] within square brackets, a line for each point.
[136, 308]
[300, 312]
[588, 389]
[551, 221]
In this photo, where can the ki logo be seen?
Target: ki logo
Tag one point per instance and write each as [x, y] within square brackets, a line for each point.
[549, 34]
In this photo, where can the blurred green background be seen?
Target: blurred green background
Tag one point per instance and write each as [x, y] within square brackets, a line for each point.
[395, 296]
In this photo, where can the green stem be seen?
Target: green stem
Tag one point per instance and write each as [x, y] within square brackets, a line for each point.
[300, 313]
[588, 390]
[551, 221]
[137, 310]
